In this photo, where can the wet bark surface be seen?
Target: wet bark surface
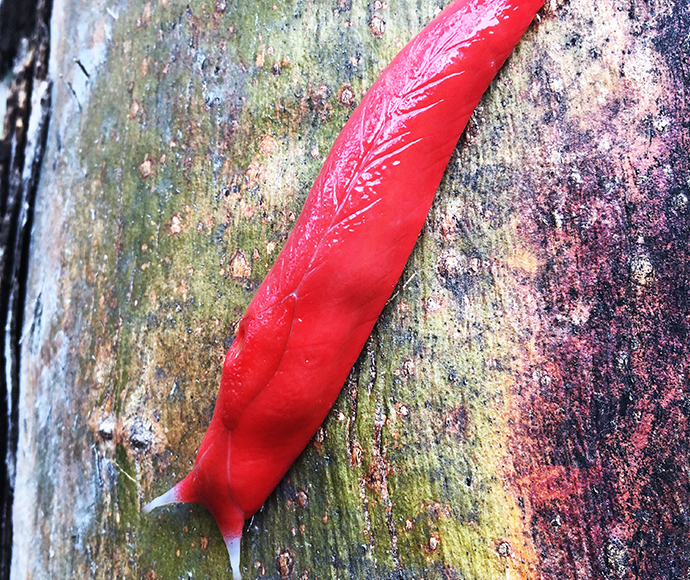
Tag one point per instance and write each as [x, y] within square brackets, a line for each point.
[521, 407]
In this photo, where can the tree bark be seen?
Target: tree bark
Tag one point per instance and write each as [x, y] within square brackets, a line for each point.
[521, 408]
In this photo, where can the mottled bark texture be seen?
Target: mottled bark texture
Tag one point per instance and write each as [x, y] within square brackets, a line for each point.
[522, 406]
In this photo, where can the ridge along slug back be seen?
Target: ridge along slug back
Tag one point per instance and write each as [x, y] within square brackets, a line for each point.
[312, 314]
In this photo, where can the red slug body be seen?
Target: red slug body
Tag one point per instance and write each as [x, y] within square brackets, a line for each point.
[310, 318]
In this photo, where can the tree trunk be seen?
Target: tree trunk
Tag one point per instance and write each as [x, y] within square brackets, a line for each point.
[521, 408]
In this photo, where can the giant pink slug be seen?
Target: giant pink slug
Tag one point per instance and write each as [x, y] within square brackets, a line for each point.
[311, 316]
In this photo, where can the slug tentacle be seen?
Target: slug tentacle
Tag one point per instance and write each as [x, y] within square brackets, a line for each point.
[167, 498]
[210, 484]
[233, 545]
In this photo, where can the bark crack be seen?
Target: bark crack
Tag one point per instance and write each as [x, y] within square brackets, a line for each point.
[22, 143]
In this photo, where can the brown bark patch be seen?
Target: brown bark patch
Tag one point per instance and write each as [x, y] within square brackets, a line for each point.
[240, 268]
[285, 563]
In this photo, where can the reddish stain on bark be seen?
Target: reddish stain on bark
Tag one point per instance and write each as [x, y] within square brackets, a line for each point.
[601, 450]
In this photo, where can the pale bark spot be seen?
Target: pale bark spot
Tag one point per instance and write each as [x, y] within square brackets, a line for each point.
[240, 269]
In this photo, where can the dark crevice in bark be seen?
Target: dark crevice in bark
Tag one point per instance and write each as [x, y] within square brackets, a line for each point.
[21, 150]
[17, 21]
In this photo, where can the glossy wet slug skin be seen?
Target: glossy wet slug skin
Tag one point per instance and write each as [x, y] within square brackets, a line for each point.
[311, 316]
